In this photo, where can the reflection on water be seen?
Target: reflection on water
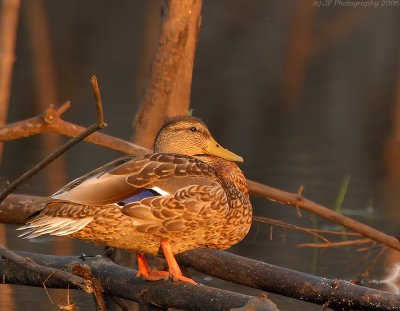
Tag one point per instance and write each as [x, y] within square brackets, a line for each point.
[336, 124]
[6, 292]
[27, 295]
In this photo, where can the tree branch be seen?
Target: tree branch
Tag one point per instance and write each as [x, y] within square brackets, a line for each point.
[51, 121]
[69, 144]
[30, 265]
[120, 281]
[336, 244]
[293, 199]
[169, 86]
[16, 208]
[336, 294]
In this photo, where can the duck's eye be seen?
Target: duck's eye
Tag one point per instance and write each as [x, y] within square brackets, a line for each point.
[193, 129]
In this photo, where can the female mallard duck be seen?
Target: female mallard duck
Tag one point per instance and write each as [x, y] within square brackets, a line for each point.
[188, 194]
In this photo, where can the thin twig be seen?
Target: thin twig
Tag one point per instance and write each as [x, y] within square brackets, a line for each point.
[45, 288]
[280, 223]
[99, 104]
[72, 142]
[370, 267]
[300, 192]
[315, 232]
[336, 244]
[289, 226]
[291, 199]
[46, 161]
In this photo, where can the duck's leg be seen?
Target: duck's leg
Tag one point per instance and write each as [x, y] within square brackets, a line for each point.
[144, 270]
[174, 269]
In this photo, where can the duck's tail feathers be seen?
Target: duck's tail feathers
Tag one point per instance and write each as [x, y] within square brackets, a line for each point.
[60, 226]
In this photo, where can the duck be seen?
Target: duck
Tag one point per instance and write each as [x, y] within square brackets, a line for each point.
[189, 193]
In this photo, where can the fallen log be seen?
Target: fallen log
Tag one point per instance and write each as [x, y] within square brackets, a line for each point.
[121, 282]
[335, 294]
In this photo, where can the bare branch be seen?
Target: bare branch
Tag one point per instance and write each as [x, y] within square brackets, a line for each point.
[336, 244]
[72, 142]
[315, 232]
[16, 208]
[280, 223]
[99, 104]
[169, 86]
[289, 226]
[50, 121]
[291, 199]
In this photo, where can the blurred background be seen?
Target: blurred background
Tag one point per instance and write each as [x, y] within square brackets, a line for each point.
[308, 92]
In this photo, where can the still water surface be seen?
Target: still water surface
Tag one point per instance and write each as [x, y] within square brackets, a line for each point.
[296, 156]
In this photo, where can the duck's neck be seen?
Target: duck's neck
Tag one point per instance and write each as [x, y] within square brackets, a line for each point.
[231, 178]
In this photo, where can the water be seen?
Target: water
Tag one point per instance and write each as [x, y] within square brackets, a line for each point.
[340, 121]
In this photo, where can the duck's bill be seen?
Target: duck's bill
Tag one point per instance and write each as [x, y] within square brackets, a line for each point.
[216, 149]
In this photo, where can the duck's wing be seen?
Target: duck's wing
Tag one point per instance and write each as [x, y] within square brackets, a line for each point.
[188, 208]
[129, 176]
[99, 187]
[125, 181]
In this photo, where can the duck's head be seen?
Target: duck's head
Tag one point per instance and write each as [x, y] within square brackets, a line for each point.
[190, 136]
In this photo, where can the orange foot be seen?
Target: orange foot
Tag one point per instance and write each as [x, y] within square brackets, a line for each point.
[173, 266]
[174, 270]
[144, 270]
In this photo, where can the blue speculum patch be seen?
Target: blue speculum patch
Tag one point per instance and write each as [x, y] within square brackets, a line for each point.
[146, 193]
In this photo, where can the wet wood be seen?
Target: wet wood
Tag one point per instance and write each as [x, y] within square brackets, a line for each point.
[44, 269]
[335, 294]
[121, 282]
[85, 272]
[16, 208]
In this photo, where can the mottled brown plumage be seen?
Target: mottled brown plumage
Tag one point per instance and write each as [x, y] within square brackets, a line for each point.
[198, 197]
